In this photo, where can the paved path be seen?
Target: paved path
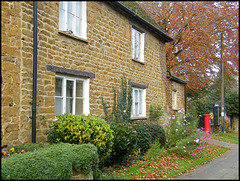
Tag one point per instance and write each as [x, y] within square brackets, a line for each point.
[225, 167]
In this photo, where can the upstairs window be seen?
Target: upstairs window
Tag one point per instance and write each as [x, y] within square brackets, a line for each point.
[72, 18]
[137, 45]
[71, 95]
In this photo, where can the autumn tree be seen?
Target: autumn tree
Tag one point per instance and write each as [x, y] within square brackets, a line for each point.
[196, 26]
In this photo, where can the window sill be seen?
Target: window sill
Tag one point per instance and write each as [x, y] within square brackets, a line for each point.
[138, 61]
[139, 118]
[73, 36]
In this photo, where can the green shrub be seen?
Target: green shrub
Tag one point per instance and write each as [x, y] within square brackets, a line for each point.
[53, 162]
[157, 132]
[121, 111]
[30, 146]
[86, 158]
[147, 133]
[79, 129]
[143, 136]
[124, 142]
[155, 150]
[155, 112]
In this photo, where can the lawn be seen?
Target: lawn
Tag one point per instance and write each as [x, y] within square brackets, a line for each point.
[227, 137]
[166, 166]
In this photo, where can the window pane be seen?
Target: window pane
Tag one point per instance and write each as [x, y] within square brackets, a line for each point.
[69, 102]
[173, 99]
[79, 88]
[136, 102]
[58, 106]
[70, 22]
[58, 86]
[78, 9]
[133, 43]
[140, 102]
[79, 106]
[137, 45]
[77, 31]
[69, 88]
[70, 16]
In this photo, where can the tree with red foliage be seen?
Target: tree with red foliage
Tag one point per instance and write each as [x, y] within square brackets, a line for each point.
[196, 27]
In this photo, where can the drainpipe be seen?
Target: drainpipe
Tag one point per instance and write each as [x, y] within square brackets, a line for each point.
[34, 72]
[185, 97]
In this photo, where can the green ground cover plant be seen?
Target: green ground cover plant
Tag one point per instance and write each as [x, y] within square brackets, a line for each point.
[166, 166]
[227, 137]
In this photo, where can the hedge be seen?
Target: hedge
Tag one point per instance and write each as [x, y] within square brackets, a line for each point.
[54, 162]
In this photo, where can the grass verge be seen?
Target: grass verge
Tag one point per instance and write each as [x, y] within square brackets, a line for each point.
[166, 166]
[227, 137]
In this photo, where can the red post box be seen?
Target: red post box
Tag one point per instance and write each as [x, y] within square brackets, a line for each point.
[207, 122]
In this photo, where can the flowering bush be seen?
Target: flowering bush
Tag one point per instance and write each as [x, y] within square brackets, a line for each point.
[183, 136]
[10, 152]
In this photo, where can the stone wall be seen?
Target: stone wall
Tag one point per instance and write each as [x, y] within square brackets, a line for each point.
[180, 96]
[106, 53]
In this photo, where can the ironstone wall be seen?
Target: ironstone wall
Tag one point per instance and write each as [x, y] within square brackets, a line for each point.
[106, 53]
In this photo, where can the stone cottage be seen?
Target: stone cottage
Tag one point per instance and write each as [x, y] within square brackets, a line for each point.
[61, 57]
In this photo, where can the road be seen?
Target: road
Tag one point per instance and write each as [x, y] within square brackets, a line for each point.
[225, 167]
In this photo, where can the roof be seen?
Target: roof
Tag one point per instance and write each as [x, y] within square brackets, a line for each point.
[175, 78]
[135, 13]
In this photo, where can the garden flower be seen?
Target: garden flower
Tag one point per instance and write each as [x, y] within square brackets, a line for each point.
[176, 130]
[184, 147]
[196, 140]
[198, 129]
[11, 150]
[35, 150]
[167, 124]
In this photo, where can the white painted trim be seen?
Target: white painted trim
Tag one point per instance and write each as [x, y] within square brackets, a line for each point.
[83, 26]
[85, 93]
[143, 103]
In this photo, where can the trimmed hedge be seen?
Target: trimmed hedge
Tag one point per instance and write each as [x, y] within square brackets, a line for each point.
[54, 162]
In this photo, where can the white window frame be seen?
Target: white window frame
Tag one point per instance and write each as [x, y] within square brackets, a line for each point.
[64, 14]
[140, 112]
[85, 97]
[174, 99]
[134, 47]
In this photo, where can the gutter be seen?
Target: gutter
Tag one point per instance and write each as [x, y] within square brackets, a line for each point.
[132, 15]
[34, 98]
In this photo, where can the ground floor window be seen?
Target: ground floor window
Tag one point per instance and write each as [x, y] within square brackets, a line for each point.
[174, 99]
[71, 95]
[139, 102]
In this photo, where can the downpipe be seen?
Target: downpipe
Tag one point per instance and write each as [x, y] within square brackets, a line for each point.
[34, 98]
